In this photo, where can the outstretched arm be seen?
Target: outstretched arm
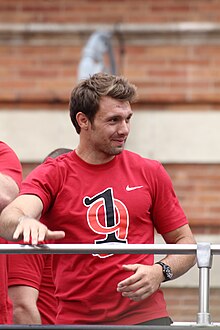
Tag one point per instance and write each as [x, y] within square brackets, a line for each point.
[20, 220]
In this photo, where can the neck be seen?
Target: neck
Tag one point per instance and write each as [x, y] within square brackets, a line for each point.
[93, 158]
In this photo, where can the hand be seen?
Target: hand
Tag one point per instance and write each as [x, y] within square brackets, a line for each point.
[32, 231]
[145, 281]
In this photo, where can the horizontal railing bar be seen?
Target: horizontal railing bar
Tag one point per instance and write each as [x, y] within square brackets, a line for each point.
[119, 248]
[98, 248]
[215, 248]
[102, 327]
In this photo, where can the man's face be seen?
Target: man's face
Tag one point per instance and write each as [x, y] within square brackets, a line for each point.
[111, 126]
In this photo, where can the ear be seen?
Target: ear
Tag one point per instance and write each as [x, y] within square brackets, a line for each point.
[82, 120]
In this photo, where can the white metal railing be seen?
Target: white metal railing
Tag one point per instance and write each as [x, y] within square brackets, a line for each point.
[203, 251]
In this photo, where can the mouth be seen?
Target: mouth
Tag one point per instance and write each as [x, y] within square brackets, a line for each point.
[119, 142]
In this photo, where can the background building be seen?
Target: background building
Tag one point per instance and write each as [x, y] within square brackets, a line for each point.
[171, 51]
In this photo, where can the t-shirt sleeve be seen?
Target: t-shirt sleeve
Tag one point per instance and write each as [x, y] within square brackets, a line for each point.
[25, 269]
[9, 163]
[43, 182]
[167, 212]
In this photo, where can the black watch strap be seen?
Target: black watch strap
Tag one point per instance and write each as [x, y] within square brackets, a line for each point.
[167, 272]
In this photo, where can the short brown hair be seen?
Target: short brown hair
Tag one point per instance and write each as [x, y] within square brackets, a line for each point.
[85, 97]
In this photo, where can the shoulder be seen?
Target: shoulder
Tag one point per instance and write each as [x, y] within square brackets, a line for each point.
[8, 154]
[9, 163]
[4, 146]
[6, 150]
[50, 170]
[151, 169]
[138, 160]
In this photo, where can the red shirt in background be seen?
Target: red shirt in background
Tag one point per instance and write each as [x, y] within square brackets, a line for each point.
[35, 270]
[10, 166]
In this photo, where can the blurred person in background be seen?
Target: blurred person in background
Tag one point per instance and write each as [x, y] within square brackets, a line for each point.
[10, 180]
[31, 286]
[101, 193]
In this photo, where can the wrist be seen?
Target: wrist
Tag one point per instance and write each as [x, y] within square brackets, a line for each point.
[22, 218]
[166, 271]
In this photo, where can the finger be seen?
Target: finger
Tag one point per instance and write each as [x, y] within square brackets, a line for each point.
[141, 296]
[129, 281]
[34, 232]
[55, 234]
[41, 233]
[26, 235]
[17, 232]
[131, 288]
[137, 295]
[131, 268]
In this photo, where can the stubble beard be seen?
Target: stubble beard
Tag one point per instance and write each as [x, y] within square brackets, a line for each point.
[113, 151]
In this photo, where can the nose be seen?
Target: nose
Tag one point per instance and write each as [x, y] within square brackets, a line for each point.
[124, 128]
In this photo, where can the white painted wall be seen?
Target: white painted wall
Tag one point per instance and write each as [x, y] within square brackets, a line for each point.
[177, 136]
[33, 134]
[166, 136]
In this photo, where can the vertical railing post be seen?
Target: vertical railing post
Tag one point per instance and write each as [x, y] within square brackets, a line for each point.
[204, 263]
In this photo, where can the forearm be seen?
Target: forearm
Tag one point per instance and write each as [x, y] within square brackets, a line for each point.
[181, 263]
[20, 220]
[9, 219]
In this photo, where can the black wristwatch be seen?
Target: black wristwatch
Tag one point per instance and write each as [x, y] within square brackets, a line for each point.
[167, 272]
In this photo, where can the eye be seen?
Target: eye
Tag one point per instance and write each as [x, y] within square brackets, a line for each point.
[128, 119]
[113, 120]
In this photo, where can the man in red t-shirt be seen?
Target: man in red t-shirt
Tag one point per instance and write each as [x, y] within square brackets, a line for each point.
[102, 194]
[10, 180]
[31, 286]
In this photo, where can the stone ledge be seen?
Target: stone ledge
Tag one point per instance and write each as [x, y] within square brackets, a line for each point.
[56, 33]
[183, 27]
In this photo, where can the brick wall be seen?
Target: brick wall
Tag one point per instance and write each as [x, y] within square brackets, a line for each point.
[103, 11]
[170, 51]
[42, 66]
[165, 75]
[198, 189]
[183, 305]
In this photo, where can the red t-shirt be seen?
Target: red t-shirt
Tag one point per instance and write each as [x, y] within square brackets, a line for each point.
[118, 202]
[9, 165]
[34, 270]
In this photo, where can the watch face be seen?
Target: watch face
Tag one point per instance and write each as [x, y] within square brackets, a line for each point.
[168, 272]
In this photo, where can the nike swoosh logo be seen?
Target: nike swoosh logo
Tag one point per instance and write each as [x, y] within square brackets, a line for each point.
[133, 188]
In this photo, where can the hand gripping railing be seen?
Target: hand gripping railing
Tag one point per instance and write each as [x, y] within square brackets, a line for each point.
[203, 252]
